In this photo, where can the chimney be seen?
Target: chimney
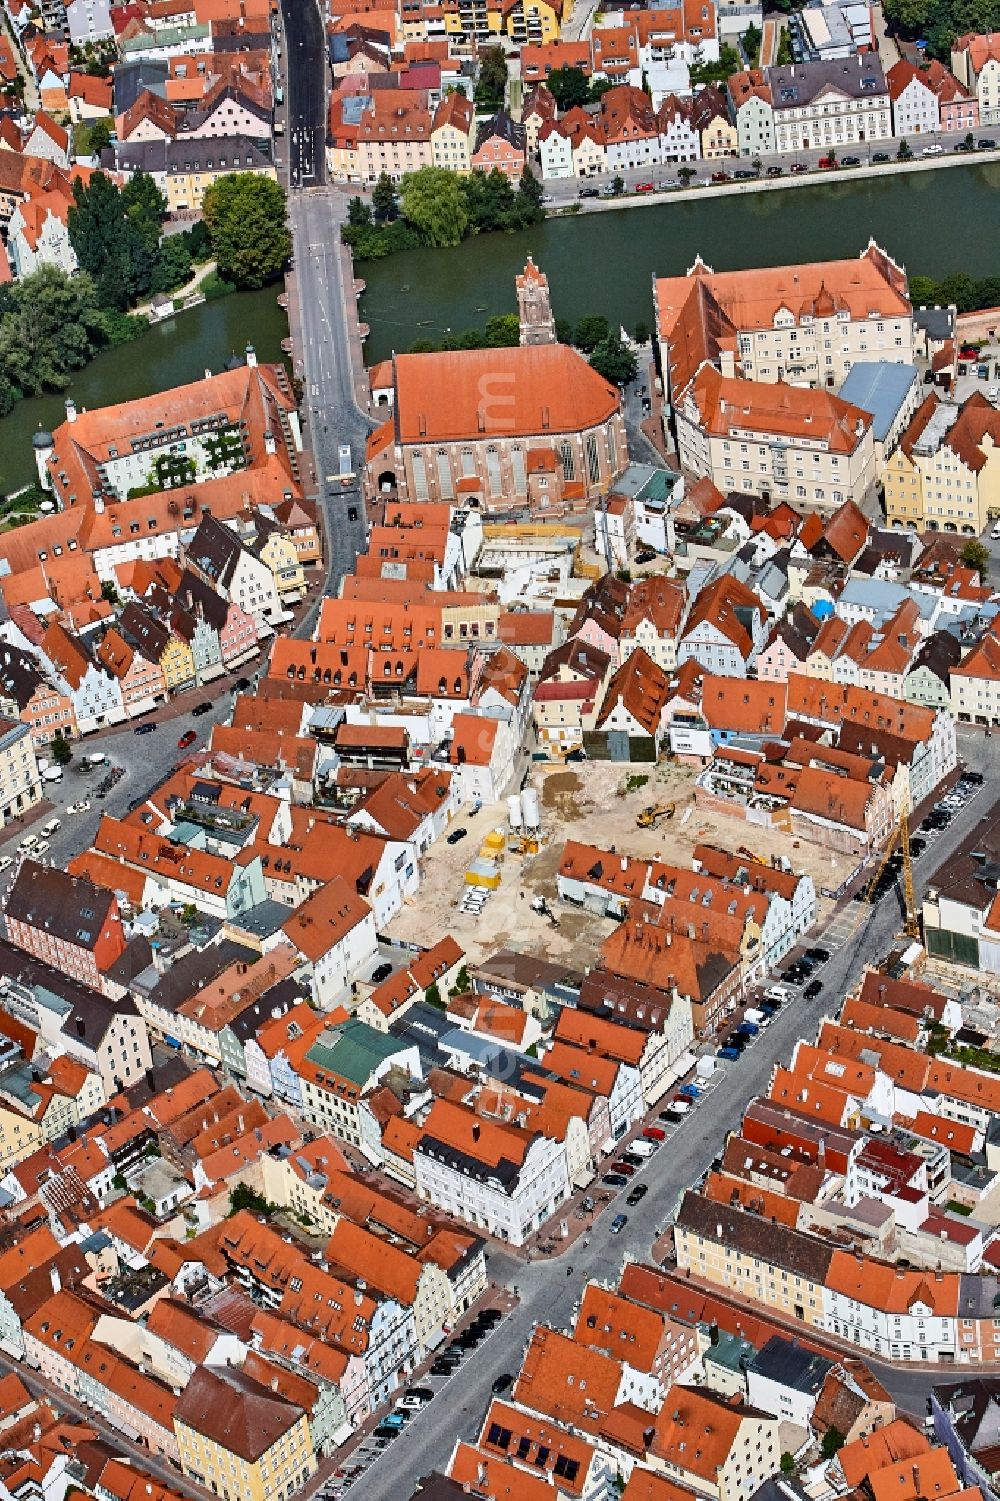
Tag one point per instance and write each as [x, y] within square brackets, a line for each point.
[55, 1279]
[70, 409]
[81, 1029]
[270, 446]
[251, 357]
[476, 1130]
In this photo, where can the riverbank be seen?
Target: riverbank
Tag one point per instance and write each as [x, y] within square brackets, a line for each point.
[171, 353]
[763, 184]
[604, 262]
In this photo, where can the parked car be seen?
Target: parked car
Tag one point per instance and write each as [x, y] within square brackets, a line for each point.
[243, 685]
[827, 162]
[205, 707]
[775, 171]
[798, 167]
[615, 1180]
[986, 143]
[414, 1404]
[637, 1194]
[381, 972]
[851, 161]
[813, 989]
[503, 1383]
[720, 176]
[975, 777]
[654, 1133]
[645, 187]
[143, 729]
[936, 149]
[742, 174]
[443, 1367]
[880, 156]
[6, 861]
[729, 1054]
[618, 1224]
[423, 1393]
[621, 1166]
[188, 738]
[81, 806]
[645, 555]
[690, 1091]
[456, 836]
[589, 193]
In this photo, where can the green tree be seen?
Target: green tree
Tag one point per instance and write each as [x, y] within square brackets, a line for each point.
[751, 40]
[569, 87]
[112, 243]
[904, 153]
[491, 87]
[145, 207]
[199, 242]
[503, 331]
[833, 1440]
[62, 751]
[618, 185]
[787, 1463]
[359, 214]
[109, 592]
[685, 175]
[757, 165]
[590, 332]
[490, 201]
[247, 220]
[434, 204]
[598, 88]
[923, 291]
[975, 555]
[615, 361]
[50, 325]
[384, 204]
[432, 995]
[528, 206]
[172, 267]
[641, 333]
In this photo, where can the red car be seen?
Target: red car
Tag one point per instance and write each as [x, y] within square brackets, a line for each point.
[720, 176]
[826, 162]
[188, 738]
[644, 187]
[623, 1167]
[798, 167]
[654, 1133]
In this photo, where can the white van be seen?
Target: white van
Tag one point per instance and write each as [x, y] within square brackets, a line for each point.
[48, 829]
[777, 993]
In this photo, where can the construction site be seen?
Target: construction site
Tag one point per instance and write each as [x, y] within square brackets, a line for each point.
[496, 887]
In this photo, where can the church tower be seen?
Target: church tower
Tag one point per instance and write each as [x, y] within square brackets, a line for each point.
[534, 309]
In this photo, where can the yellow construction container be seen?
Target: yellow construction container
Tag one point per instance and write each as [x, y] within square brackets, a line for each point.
[483, 873]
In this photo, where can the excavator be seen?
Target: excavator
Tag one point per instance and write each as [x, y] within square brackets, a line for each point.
[650, 817]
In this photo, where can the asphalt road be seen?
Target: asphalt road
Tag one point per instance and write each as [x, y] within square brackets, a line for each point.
[331, 413]
[550, 1290]
[305, 70]
[664, 174]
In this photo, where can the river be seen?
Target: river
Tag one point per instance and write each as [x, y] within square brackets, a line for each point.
[604, 262]
[179, 350]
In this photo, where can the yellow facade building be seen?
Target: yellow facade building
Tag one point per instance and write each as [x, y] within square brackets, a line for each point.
[240, 1439]
[945, 474]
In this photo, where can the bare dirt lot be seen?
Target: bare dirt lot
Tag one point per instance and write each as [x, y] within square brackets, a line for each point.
[597, 803]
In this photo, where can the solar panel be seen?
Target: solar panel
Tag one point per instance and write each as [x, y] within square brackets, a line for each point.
[523, 1445]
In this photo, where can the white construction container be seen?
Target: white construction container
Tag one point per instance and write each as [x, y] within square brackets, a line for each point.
[531, 809]
[514, 819]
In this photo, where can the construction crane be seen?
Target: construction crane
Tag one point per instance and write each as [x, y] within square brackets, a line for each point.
[900, 834]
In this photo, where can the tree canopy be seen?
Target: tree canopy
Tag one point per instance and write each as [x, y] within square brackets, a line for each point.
[248, 225]
[492, 85]
[433, 202]
[115, 235]
[939, 22]
[569, 87]
[614, 360]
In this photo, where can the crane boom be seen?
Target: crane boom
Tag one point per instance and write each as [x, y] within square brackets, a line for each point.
[900, 834]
